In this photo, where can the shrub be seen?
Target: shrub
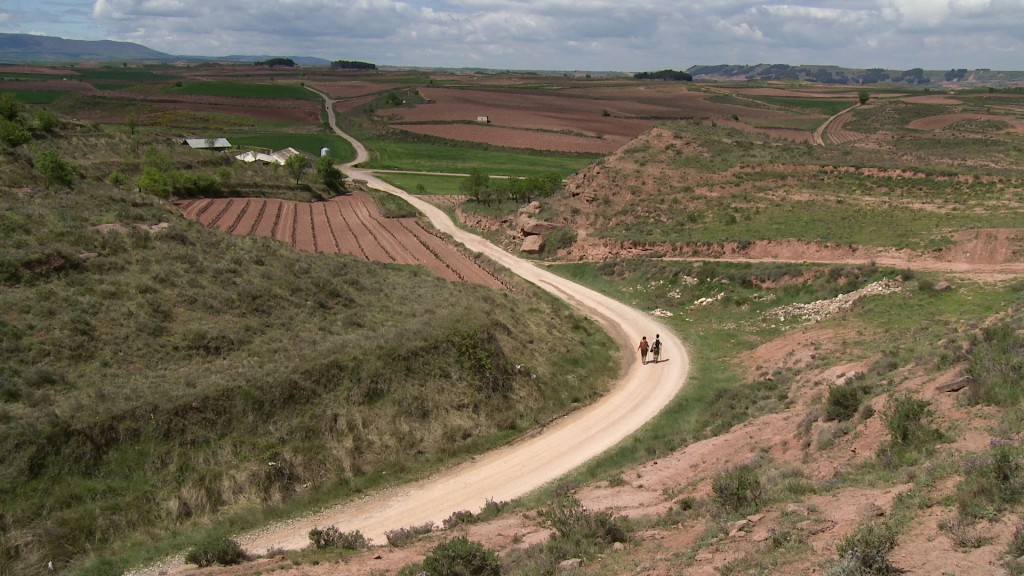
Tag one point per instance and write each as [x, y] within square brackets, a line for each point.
[461, 557]
[991, 483]
[405, 536]
[13, 133]
[737, 490]
[55, 170]
[866, 551]
[996, 366]
[558, 239]
[224, 551]
[457, 518]
[905, 418]
[331, 537]
[843, 401]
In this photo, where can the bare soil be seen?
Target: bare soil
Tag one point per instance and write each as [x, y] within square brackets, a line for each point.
[349, 224]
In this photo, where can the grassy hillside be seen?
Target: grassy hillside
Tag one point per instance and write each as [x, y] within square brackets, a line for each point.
[157, 377]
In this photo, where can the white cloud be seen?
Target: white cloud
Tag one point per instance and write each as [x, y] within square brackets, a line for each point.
[564, 34]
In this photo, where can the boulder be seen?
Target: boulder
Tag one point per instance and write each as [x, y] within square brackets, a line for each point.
[532, 245]
[532, 226]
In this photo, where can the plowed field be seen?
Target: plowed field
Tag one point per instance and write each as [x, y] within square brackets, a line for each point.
[347, 224]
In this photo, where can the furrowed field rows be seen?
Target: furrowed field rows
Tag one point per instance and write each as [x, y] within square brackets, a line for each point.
[349, 224]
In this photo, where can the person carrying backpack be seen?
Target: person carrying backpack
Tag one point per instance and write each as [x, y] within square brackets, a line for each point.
[643, 348]
[656, 347]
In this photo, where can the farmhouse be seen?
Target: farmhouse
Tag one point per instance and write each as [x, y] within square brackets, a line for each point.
[278, 157]
[207, 143]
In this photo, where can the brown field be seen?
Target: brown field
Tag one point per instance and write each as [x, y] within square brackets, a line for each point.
[941, 121]
[348, 224]
[341, 90]
[593, 118]
[47, 85]
[516, 138]
[933, 99]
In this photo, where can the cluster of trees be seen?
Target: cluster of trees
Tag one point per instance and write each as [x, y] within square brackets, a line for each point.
[276, 62]
[956, 74]
[352, 65]
[481, 188]
[668, 74]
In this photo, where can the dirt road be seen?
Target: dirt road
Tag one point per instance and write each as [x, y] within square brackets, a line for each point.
[512, 471]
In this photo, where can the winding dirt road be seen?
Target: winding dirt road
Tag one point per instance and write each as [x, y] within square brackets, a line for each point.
[541, 457]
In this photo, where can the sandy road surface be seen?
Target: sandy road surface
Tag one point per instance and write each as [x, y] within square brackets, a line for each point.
[529, 463]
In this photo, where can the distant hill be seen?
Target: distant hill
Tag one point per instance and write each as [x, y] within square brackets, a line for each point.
[853, 76]
[25, 48]
[31, 48]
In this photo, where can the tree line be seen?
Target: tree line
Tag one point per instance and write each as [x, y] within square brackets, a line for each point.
[352, 65]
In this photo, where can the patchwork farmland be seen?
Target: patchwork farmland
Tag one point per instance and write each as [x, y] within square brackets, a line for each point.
[349, 224]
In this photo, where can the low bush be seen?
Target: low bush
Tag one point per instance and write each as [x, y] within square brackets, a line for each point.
[843, 401]
[866, 551]
[461, 557]
[404, 536]
[217, 550]
[331, 537]
[906, 419]
[996, 365]
[992, 482]
[738, 490]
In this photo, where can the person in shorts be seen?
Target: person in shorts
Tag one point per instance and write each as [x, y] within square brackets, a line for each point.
[643, 348]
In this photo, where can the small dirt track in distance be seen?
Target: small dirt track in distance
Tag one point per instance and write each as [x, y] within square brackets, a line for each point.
[349, 224]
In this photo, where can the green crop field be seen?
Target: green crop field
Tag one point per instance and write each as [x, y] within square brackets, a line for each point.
[432, 184]
[430, 157]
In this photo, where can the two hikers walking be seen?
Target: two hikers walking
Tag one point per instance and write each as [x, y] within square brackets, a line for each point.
[654, 349]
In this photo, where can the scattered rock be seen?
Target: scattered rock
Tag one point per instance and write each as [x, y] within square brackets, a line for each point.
[761, 536]
[955, 385]
[755, 518]
[618, 547]
[943, 286]
[704, 557]
[797, 509]
[570, 564]
[871, 510]
[738, 527]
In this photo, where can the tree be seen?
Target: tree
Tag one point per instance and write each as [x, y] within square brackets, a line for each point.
[329, 174]
[55, 170]
[863, 96]
[296, 164]
[475, 185]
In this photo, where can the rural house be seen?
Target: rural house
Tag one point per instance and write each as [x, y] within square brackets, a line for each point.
[207, 143]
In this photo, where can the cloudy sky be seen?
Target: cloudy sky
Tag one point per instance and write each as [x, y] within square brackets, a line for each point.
[625, 35]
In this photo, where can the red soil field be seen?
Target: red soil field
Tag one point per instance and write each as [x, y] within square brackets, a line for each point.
[595, 119]
[348, 89]
[516, 138]
[347, 224]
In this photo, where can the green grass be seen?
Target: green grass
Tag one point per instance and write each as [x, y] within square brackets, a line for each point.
[823, 106]
[341, 150]
[242, 90]
[431, 184]
[37, 96]
[460, 158]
